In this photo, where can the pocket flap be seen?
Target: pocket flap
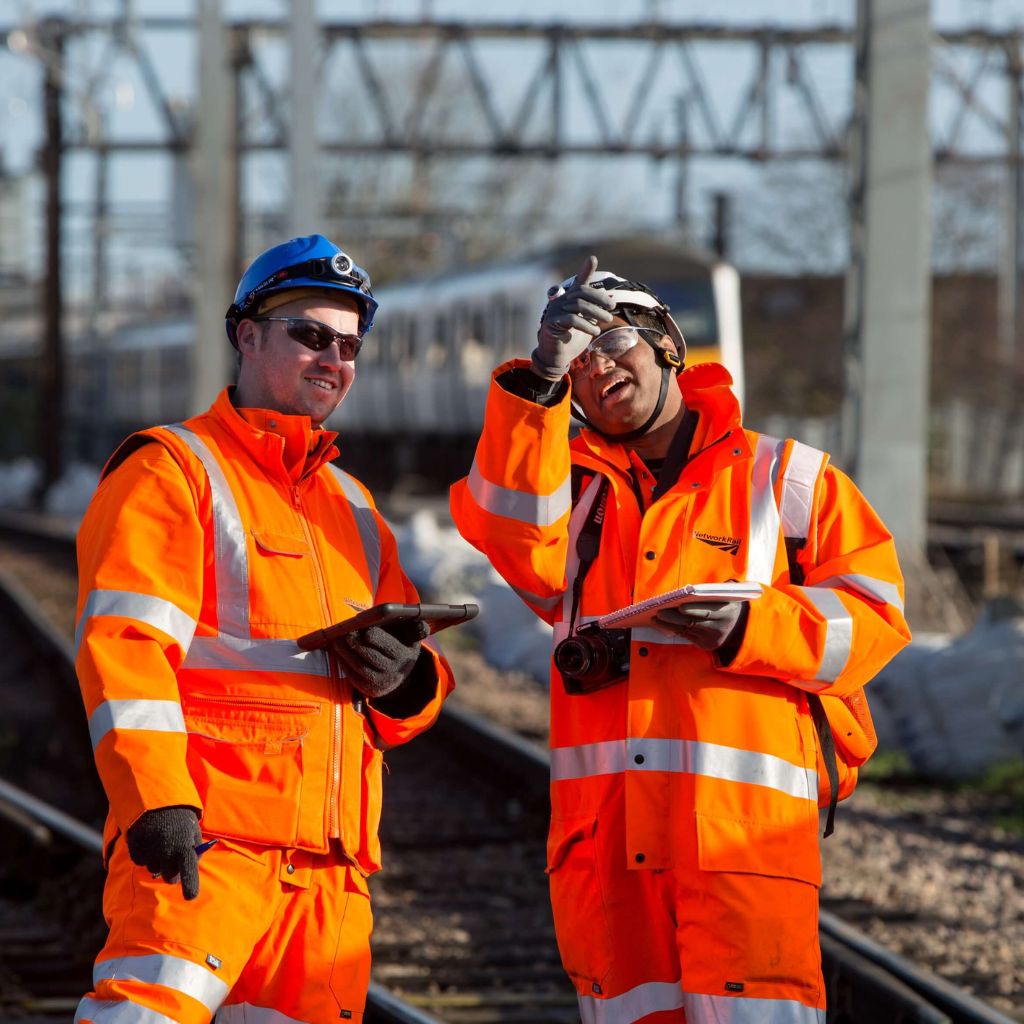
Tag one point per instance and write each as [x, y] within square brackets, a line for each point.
[757, 848]
[280, 543]
[564, 835]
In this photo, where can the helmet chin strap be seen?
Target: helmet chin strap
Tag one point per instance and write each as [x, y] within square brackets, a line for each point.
[671, 364]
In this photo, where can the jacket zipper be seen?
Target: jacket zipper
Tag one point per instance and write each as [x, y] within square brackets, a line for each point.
[334, 782]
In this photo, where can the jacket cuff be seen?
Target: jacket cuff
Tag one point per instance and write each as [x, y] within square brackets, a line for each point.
[524, 383]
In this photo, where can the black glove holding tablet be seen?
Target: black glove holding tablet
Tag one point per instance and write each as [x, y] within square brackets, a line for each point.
[379, 648]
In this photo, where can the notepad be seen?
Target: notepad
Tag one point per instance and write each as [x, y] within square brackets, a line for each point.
[642, 613]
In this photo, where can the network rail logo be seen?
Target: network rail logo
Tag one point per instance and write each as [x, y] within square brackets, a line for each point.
[730, 544]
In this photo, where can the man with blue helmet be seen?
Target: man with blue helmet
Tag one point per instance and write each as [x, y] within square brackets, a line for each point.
[209, 547]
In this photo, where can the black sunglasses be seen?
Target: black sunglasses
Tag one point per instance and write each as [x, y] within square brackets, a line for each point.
[315, 335]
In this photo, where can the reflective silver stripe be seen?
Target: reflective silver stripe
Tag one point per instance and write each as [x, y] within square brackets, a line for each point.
[231, 563]
[546, 603]
[587, 759]
[715, 761]
[869, 587]
[183, 976]
[121, 1011]
[153, 611]
[579, 517]
[366, 523]
[764, 513]
[535, 509]
[154, 715]
[650, 635]
[711, 760]
[638, 1002]
[705, 1009]
[838, 632]
[798, 480]
[229, 654]
[246, 1013]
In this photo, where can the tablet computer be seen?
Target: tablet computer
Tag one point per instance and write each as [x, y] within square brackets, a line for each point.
[437, 616]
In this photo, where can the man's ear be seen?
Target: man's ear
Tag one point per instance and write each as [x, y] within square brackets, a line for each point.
[248, 337]
[670, 352]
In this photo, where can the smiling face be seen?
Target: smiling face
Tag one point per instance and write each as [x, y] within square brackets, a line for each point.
[618, 395]
[279, 373]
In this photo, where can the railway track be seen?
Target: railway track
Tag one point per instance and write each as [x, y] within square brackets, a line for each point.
[463, 932]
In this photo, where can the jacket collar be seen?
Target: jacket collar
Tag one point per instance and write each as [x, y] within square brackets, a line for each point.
[300, 448]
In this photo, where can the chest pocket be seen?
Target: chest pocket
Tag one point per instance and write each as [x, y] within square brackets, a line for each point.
[283, 587]
[286, 544]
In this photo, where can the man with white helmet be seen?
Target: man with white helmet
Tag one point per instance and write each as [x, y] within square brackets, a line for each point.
[244, 773]
[683, 852]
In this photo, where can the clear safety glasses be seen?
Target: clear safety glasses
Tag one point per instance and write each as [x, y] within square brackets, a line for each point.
[315, 335]
[612, 345]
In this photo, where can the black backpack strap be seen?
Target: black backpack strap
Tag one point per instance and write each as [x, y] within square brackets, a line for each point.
[828, 755]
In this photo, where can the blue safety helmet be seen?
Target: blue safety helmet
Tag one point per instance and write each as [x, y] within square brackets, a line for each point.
[311, 261]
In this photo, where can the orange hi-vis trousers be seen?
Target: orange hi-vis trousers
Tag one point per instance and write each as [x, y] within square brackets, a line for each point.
[275, 936]
[680, 945]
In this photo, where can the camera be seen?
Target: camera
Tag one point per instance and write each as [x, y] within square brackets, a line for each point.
[592, 658]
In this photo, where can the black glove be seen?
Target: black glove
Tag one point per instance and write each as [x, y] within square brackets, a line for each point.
[378, 659]
[164, 842]
[572, 319]
[710, 625]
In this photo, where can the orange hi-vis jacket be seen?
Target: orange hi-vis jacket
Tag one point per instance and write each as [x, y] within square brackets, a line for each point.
[208, 548]
[717, 765]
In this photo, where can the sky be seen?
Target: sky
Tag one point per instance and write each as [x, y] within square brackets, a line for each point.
[141, 185]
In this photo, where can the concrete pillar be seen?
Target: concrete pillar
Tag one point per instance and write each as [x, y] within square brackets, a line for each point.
[304, 202]
[887, 337]
[215, 172]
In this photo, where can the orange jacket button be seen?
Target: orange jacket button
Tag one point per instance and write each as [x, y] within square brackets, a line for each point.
[640, 858]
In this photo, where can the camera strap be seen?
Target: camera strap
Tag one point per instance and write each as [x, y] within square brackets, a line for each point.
[588, 544]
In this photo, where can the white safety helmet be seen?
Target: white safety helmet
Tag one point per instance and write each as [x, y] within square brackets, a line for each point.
[631, 297]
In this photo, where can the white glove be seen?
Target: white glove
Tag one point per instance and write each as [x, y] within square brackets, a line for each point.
[572, 319]
[708, 624]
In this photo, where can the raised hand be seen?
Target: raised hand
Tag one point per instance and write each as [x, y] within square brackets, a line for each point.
[573, 317]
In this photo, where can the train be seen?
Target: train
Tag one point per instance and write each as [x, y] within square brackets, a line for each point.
[428, 361]
[423, 373]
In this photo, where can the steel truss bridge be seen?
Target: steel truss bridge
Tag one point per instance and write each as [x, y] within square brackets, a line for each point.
[649, 89]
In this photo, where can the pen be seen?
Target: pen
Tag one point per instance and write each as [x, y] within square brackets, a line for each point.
[200, 850]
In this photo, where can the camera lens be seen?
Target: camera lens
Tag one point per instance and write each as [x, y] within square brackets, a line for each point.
[574, 657]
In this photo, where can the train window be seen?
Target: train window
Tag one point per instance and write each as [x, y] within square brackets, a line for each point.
[409, 337]
[437, 354]
[498, 336]
[478, 327]
[414, 339]
[692, 303]
[518, 343]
